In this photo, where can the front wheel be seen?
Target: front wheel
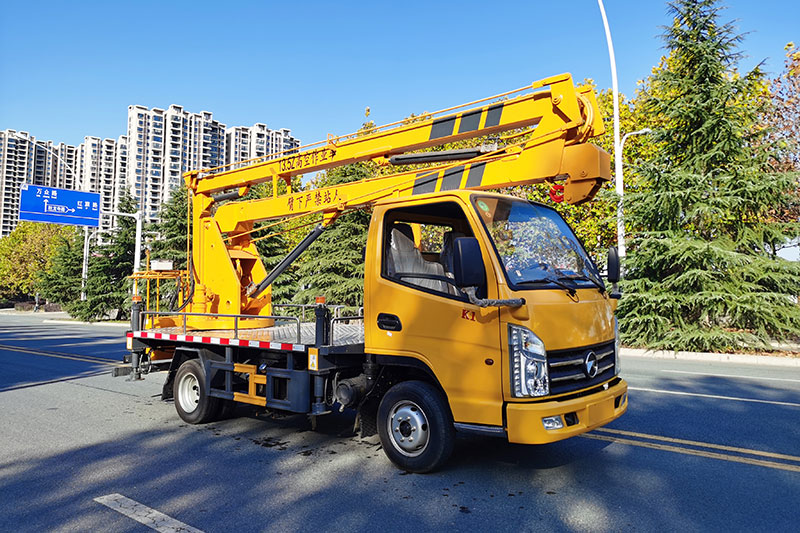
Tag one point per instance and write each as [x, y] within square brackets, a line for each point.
[415, 426]
[192, 401]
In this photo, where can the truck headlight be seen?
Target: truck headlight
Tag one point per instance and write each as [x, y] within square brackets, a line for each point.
[528, 363]
[617, 362]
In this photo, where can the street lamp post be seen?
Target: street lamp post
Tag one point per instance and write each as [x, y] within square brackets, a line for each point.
[617, 142]
[620, 191]
[137, 252]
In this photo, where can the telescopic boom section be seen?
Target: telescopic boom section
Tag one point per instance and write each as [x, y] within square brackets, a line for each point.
[560, 113]
[554, 118]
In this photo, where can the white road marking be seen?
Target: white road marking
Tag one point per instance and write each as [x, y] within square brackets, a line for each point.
[714, 396]
[145, 515]
[730, 376]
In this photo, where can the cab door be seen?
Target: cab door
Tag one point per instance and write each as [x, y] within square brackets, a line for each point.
[427, 318]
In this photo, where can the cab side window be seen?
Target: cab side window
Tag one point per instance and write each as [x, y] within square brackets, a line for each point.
[418, 246]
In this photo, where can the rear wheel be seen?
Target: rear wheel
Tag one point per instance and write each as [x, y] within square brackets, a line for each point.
[415, 426]
[192, 401]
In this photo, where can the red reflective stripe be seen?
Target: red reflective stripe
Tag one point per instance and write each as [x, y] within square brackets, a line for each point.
[220, 340]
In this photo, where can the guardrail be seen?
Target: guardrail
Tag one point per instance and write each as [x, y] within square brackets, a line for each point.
[235, 318]
[337, 309]
[343, 319]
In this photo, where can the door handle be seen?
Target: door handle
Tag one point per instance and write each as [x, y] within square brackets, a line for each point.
[389, 322]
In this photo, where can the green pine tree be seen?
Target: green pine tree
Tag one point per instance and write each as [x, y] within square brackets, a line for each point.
[334, 265]
[171, 229]
[702, 273]
[110, 264]
[272, 250]
[61, 282]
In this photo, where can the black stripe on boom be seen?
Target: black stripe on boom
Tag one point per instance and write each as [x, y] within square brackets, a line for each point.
[493, 116]
[443, 127]
[470, 121]
[424, 183]
[475, 176]
[452, 178]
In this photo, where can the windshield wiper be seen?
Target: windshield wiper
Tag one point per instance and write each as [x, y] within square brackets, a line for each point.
[554, 281]
[599, 285]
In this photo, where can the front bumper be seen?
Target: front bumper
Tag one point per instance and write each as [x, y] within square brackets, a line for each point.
[524, 420]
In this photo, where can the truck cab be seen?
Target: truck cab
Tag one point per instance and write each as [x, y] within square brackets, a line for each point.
[513, 370]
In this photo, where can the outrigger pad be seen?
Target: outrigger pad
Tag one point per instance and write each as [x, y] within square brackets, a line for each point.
[121, 371]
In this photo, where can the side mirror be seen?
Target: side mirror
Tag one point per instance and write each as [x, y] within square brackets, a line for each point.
[468, 268]
[613, 265]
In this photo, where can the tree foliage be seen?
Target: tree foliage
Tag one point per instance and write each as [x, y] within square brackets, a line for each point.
[171, 229]
[25, 254]
[783, 116]
[275, 242]
[61, 281]
[334, 265]
[702, 271]
[110, 264]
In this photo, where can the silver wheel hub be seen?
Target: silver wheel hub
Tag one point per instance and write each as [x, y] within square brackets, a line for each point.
[408, 428]
[189, 393]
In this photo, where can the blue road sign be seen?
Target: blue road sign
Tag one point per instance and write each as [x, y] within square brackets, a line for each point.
[59, 206]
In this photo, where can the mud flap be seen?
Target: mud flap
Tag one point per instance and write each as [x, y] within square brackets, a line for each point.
[367, 420]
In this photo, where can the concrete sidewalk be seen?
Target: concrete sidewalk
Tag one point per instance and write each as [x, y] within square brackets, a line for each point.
[750, 359]
[61, 317]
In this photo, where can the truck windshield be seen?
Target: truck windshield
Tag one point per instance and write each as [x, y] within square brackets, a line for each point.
[535, 245]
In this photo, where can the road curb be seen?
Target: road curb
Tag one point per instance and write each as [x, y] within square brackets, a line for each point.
[739, 358]
[76, 323]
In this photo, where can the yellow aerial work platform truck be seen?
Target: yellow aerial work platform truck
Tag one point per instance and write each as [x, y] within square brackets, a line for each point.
[482, 312]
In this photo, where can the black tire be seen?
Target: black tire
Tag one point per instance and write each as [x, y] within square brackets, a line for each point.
[191, 398]
[415, 427]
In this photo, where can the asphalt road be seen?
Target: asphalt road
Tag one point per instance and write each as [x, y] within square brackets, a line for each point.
[703, 447]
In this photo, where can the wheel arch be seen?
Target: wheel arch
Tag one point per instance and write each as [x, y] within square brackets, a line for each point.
[403, 368]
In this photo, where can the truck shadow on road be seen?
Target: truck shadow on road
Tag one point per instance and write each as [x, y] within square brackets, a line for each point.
[266, 472]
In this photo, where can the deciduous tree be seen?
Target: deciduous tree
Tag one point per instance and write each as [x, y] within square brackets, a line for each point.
[25, 254]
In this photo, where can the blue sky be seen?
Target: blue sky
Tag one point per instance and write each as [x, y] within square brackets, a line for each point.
[69, 69]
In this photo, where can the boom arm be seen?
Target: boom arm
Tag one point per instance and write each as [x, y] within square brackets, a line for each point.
[560, 121]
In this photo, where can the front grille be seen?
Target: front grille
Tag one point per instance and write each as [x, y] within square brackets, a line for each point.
[567, 368]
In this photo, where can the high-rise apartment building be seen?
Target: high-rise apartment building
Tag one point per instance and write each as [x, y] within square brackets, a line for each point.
[98, 168]
[257, 141]
[16, 163]
[162, 145]
[281, 141]
[121, 165]
[62, 168]
[237, 145]
[23, 159]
